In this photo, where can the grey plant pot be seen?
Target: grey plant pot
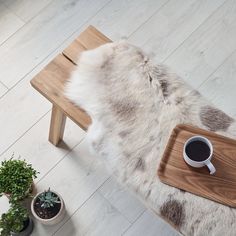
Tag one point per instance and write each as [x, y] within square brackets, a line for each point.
[56, 219]
[27, 231]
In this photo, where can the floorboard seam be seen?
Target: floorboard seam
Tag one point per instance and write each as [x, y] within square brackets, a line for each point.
[4, 85]
[27, 130]
[212, 73]
[55, 50]
[68, 152]
[194, 31]
[95, 191]
[148, 18]
[133, 223]
[25, 22]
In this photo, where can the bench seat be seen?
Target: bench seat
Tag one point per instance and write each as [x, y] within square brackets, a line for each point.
[51, 80]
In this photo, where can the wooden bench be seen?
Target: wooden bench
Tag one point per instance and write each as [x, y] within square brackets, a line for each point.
[51, 80]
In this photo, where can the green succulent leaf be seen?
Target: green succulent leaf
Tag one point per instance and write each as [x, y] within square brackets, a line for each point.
[48, 199]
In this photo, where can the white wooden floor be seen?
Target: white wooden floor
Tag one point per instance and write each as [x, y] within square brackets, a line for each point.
[197, 38]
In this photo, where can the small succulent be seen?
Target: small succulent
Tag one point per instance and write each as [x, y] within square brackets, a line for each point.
[48, 199]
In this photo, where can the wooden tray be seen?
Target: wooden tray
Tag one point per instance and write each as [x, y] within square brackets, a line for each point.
[220, 187]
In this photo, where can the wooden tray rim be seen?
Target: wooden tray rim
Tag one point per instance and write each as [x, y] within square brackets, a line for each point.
[178, 128]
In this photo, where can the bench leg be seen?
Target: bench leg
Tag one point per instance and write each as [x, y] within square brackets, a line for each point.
[57, 126]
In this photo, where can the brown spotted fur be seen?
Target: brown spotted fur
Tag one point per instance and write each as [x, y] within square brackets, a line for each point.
[134, 105]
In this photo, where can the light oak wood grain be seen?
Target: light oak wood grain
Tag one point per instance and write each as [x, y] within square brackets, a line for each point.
[57, 125]
[95, 218]
[42, 35]
[206, 49]
[220, 187]
[121, 199]
[90, 38]
[168, 28]
[51, 85]
[9, 23]
[221, 85]
[150, 225]
[26, 9]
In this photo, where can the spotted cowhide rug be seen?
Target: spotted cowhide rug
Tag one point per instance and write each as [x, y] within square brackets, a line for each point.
[134, 105]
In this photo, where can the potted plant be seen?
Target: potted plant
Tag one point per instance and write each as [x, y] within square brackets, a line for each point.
[16, 179]
[16, 222]
[48, 207]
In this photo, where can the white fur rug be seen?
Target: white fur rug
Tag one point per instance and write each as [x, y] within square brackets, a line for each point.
[134, 105]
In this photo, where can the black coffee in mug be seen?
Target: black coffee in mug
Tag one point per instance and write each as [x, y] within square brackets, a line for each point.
[198, 150]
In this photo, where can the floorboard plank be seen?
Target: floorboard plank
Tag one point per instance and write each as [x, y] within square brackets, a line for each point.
[42, 35]
[3, 90]
[9, 23]
[21, 107]
[220, 86]
[120, 18]
[170, 26]
[206, 49]
[23, 103]
[95, 218]
[4, 204]
[149, 224]
[122, 200]
[26, 9]
[35, 148]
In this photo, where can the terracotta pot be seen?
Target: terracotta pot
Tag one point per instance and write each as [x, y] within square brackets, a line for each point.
[57, 218]
[27, 231]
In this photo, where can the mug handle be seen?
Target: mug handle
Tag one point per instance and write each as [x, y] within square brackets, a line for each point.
[211, 168]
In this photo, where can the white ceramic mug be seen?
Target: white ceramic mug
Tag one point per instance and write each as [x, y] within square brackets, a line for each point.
[199, 164]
